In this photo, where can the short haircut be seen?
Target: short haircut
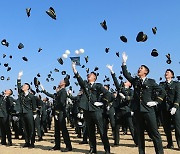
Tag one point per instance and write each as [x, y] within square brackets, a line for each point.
[170, 70]
[147, 69]
[28, 85]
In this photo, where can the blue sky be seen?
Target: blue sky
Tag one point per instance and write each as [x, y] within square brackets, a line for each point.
[78, 26]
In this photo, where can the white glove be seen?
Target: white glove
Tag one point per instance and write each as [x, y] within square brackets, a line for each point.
[41, 86]
[79, 115]
[132, 113]
[173, 111]
[110, 67]
[82, 116]
[124, 58]
[122, 95]
[152, 103]
[69, 92]
[20, 74]
[35, 116]
[15, 118]
[108, 107]
[56, 117]
[98, 103]
[74, 67]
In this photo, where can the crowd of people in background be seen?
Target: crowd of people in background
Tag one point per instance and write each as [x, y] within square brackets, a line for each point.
[138, 104]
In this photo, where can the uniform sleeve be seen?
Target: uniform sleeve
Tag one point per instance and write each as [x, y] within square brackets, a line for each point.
[80, 80]
[19, 85]
[126, 74]
[48, 94]
[116, 83]
[161, 92]
[177, 95]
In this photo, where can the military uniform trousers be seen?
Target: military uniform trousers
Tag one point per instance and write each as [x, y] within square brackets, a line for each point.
[5, 130]
[167, 121]
[28, 127]
[122, 116]
[148, 119]
[60, 125]
[93, 118]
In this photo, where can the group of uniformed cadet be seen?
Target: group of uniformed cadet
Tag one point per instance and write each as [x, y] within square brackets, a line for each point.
[94, 110]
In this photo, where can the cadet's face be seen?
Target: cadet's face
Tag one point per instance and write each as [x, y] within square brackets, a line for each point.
[127, 84]
[62, 83]
[106, 87]
[7, 92]
[168, 75]
[25, 87]
[142, 71]
[91, 77]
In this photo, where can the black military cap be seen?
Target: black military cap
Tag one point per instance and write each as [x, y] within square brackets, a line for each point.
[112, 90]
[83, 66]
[60, 61]
[9, 68]
[49, 75]
[56, 70]
[5, 43]
[121, 72]
[31, 83]
[154, 29]
[39, 50]
[63, 72]
[6, 65]
[2, 77]
[38, 75]
[160, 78]
[47, 79]
[106, 50]
[154, 53]
[120, 77]
[103, 24]
[20, 46]
[104, 80]
[178, 78]
[86, 59]
[87, 70]
[117, 54]
[28, 11]
[51, 13]
[168, 61]
[24, 58]
[123, 38]
[76, 60]
[10, 56]
[36, 82]
[108, 79]
[50, 72]
[52, 79]
[70, 88]
[54, 87]
[4, 55]
[141, 37]
[67, 83]
[96, 68]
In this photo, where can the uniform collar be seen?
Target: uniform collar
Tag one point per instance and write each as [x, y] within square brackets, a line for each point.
[26, 93]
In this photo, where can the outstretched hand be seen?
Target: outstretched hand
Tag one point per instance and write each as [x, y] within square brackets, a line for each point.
[124, 58]
[20, 74]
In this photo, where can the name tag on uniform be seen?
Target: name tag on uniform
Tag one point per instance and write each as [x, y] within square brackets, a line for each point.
[98, 103]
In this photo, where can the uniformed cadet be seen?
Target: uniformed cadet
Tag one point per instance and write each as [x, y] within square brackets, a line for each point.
[92, 108]
[5, 109]
[143, 105]
[27, 111]
[122, 107]
[170, 108]
[60, 98]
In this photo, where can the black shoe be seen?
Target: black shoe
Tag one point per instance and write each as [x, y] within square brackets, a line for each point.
[31, 145]
[40, 139]
[169, 146]
[9, 144]
[26, 145]
[92, 151]
[116, 144]
[107, 152]
[55, 148]
[4, 143]
[66, 149]
[83, 142]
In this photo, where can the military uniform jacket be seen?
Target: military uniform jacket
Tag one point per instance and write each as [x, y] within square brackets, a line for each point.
[90, 94]
[143, 92]
[59, 100]
[27, 103]
[172, 97]
[122, 104]
[5, 106]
